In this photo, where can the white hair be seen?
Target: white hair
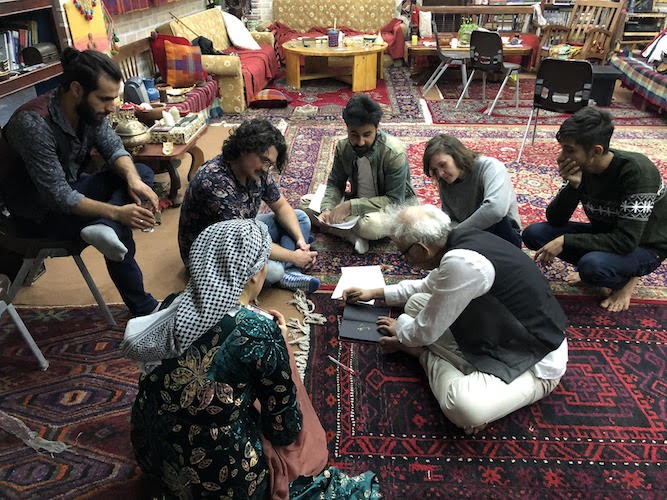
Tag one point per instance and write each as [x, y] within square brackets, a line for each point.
[419, 223]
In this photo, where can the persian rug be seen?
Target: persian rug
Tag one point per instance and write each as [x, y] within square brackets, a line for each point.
[472, 109]
[600, 434]
[535, 181]
[323, 100]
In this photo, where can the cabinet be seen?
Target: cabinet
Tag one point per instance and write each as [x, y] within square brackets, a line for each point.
[51, 29]
[641, 28]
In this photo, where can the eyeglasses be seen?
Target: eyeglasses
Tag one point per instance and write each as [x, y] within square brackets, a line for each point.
[405, 252]
[270, 165]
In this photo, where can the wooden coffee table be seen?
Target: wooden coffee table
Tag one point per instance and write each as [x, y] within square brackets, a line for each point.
[366, 68]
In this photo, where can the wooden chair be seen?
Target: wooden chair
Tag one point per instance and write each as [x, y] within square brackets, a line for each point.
[591, 28]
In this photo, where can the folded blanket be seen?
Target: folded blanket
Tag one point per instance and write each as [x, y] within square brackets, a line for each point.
[258, 67]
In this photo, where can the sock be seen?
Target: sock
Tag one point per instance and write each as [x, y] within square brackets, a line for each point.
[294, 280]
[105, 240]
[360, 244]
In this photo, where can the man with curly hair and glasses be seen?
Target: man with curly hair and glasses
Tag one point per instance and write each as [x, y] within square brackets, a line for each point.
[233, 185]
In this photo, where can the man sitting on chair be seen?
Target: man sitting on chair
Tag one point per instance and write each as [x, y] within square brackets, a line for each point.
[49, 190]
[623, 196]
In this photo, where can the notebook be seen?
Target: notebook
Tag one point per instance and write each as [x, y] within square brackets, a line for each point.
[359, 322]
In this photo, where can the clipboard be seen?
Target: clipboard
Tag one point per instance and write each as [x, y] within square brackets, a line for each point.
[359, 322]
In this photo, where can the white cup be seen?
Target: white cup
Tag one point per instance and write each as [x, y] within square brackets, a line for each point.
[454, 43]
[505, 39]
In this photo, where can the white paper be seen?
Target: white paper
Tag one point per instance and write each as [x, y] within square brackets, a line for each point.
[348, 224]
[316, 202]
[360, 277]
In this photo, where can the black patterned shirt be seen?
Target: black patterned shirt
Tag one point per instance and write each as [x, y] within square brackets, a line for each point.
[32, 137]
[626, 204]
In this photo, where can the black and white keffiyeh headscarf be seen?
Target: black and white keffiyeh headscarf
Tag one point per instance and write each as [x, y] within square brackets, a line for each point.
[223, 258]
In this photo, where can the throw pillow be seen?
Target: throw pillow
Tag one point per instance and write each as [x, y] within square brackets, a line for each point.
[425, 29]
[269, 98]
[159, 54]
[184, 66]
[238, 34]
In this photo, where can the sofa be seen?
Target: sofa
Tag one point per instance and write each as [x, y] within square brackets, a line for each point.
[294, 18]
[240, 73]
[649, 86]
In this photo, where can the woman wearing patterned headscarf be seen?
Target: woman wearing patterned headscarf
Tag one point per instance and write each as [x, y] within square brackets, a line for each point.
[221, 411]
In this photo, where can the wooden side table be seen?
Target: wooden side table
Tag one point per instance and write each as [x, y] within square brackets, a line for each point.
[151, 154]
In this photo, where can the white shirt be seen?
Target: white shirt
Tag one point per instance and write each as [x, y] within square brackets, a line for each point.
[463, 275]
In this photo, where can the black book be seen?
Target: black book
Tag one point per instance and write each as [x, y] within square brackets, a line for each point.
[359, 322]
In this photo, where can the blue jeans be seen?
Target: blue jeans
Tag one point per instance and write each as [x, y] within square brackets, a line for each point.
[597, 268]
[107, 187]
[276, 269]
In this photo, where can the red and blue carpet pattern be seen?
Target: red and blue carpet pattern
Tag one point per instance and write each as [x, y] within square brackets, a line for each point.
[396, 94]
[600, 434]
[471, 110]
[535, 181]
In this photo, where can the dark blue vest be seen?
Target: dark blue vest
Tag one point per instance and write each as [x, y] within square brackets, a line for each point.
[518, 322]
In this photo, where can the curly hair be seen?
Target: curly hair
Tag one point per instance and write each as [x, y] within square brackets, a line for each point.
[588, 127]
[255, 136]
[463, 157]
[86, 67]
[362, 110]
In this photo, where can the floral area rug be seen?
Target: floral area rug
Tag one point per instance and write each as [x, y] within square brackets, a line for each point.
[600, 434]
[472, 109]
[324, 100]
[535, 181]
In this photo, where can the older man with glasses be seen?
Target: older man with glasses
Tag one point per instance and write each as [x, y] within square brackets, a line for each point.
[484, 323]
[233, 185]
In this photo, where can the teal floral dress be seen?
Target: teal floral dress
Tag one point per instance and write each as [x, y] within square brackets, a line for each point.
[194, 428]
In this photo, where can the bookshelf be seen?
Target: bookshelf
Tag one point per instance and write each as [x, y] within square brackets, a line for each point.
[512, 17]
[641, 28]
[50, 28]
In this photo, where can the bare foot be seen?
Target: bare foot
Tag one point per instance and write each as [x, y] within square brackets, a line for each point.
[573, 278]
[474, 430]
[391, 344]
[620, 299]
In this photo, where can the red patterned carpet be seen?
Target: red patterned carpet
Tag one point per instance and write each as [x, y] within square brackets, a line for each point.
[471, 110]
[323, 100]
[535, 181]
[601, 434]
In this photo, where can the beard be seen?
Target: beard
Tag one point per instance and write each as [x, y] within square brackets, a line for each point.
[87, 114]
[360, 150]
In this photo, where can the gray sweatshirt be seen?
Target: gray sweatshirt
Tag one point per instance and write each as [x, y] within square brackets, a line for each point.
[483, 198]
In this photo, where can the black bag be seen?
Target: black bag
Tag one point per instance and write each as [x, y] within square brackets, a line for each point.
[206, 46]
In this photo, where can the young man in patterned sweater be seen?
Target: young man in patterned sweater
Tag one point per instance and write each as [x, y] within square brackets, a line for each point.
[623, 195]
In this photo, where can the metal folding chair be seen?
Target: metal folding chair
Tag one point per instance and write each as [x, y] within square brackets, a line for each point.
[35, 250]
[486, 55]
[6, 305]
[447, 59]
[561, 85]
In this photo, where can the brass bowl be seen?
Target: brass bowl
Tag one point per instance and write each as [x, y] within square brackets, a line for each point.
[149, 117]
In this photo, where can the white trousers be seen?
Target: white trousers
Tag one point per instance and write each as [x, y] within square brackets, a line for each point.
[470, 398]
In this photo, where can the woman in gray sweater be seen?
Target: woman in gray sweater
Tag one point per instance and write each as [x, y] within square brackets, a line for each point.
[475, 190]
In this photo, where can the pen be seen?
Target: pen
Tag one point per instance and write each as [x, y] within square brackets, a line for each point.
[338, 363]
